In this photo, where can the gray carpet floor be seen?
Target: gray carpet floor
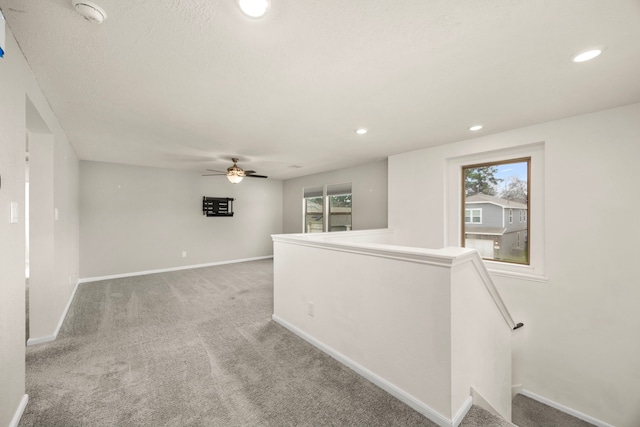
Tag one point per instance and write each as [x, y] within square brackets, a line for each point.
[531, 413]
[197, 348]
[190, 348]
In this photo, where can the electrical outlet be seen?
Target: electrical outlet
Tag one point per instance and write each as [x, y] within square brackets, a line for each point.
[310, 309]
[184, 254]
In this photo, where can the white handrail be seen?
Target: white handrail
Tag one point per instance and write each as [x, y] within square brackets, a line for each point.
[493, 291]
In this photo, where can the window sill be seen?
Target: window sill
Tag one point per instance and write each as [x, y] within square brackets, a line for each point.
[529, 276]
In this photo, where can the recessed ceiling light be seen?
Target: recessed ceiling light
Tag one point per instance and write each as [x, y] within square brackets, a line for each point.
[361, 131]
[587, 55]
[475, 128]
[254, 8]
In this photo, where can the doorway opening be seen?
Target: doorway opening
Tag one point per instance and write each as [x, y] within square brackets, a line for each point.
[26, 237]
[38, 219]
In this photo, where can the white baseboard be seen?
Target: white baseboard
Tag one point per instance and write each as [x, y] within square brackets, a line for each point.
[41, 340]
[165, 270]
[516, 389]
[49, 338]
[462, 412]
[479, 400]
[390, 388]
[565, 409]
[19, 411]
[66, 309]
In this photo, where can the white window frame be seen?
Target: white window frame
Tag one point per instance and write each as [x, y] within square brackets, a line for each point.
[471, 215]
[535, 271]
[326, 209]
[510, 216]
[305, 213]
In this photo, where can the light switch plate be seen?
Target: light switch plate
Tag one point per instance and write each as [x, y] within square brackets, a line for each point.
[15, 215]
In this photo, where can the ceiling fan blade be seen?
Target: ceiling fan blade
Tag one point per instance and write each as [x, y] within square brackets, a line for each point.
[249, 172]
[213, 174]
[255, 176]
[213, 170]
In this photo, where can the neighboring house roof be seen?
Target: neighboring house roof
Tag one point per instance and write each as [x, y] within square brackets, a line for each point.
[492, 231]
[483, 198]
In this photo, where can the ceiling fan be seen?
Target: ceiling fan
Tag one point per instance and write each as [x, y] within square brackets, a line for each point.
[235, 173]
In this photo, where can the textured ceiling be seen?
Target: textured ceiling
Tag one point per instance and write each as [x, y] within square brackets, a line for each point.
[190, 84]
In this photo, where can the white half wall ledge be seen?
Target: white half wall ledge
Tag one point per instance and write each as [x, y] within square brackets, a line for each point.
[355, 242]
[385, 385]
[565, 409]
[19, 411]
[348, 242]
[165, 270]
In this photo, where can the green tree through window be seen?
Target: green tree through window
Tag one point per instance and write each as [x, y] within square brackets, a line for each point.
[481, 180]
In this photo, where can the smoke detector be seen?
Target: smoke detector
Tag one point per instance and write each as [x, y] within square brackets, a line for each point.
[90, 11]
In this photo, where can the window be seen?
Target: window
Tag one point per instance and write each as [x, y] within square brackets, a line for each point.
[473, 216]
[327, 208]
[340, 212]
[313, 210]
[491, 193]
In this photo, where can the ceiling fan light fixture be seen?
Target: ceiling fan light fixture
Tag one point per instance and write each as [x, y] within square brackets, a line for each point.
[235, 173]
[254, 8]
[234, 179]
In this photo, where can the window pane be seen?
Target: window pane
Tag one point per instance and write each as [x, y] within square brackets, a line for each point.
[314, 204]
[314, 215]
[340, 212]
[495, 194]
[473, 216]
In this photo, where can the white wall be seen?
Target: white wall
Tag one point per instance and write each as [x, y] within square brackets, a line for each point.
[369, 190]
[579, 345]
[420, 323]
[480, 343]
[137, 219]
[378, 312]
[16, 84]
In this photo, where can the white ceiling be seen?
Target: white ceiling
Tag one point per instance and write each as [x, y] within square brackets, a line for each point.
[191, 83]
